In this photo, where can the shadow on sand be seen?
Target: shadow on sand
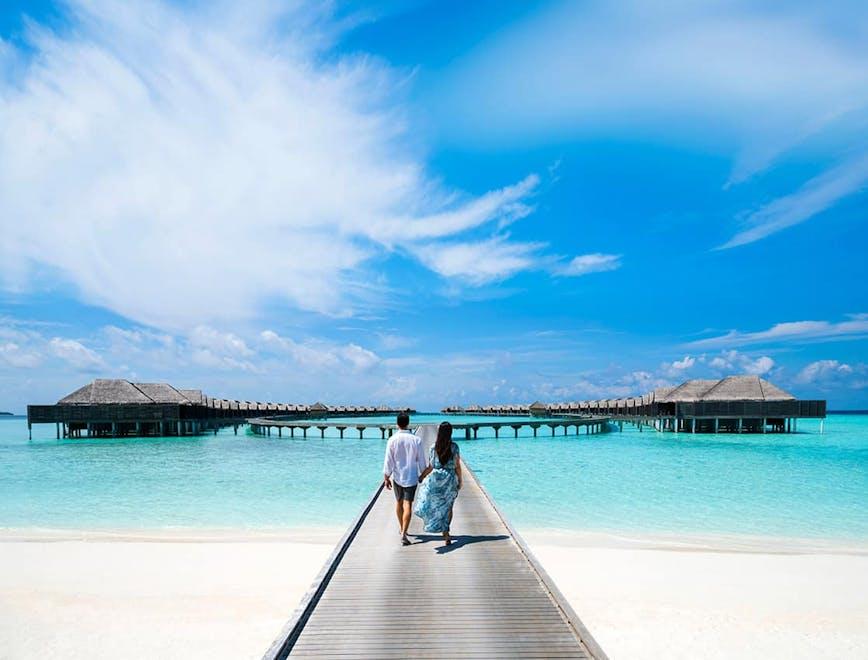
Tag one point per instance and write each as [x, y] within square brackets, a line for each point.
[458, 541]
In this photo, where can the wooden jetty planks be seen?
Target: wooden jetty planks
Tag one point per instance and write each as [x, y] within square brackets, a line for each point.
[484, 597]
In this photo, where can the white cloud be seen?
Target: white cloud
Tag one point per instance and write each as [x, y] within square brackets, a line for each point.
[391, 342]
[220, 350]
[677, 368]
[184, 164]
[321, 355]
[829, 374]
[686, 363]
[822, 369]
[76, 354]
[505, 205]
[360, 358]
[17, 356]
[856, 327]
[480, 262]
[736, 362]
[225, 343]
[591, 263]
[398, 388]
[815, 196]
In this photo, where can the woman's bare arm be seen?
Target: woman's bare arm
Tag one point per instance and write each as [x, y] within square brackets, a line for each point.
[425, 473]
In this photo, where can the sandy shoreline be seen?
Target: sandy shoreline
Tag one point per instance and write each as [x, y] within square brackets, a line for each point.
[226, 593]
[702, 599]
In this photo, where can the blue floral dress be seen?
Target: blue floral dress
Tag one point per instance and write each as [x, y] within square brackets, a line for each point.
[437, 493]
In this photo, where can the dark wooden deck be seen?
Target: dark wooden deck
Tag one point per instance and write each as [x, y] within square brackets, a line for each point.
[484, 597]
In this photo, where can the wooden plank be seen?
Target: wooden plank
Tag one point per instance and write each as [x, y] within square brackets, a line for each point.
[484, 596]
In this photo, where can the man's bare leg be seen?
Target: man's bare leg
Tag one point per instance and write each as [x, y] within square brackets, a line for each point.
[407, 515]
[399, 510]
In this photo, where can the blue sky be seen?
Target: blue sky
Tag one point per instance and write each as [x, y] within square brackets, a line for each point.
[433, 203]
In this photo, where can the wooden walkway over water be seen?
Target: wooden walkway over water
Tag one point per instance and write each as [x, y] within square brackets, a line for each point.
[469, 430]
[483, 597]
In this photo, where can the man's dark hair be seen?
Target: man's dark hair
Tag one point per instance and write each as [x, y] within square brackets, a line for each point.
[403, 420]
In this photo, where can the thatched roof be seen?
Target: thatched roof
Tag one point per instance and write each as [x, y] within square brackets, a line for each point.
[161, 393]
[193, 396]
[690, 390]
[105, 390]
[733, 388]
[662, 392]
[318, 407]
[746, 388]
[81, 395]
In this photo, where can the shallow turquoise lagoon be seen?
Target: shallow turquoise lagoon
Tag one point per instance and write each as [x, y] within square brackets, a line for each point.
[797, 485]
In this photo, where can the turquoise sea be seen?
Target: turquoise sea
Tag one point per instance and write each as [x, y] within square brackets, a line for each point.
[799, 485]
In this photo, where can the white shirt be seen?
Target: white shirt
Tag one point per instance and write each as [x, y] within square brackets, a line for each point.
[405, 458]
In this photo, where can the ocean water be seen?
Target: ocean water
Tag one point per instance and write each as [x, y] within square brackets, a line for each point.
[804, 485]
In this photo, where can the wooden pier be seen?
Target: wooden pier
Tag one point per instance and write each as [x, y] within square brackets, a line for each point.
[561, 425]
[485, 596]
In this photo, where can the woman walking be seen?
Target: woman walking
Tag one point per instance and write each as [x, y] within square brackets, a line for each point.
[441, 481]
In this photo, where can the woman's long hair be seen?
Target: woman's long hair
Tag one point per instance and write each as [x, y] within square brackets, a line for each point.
[443, 446]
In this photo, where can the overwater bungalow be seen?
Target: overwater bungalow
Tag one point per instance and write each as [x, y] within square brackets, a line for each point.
[734, 404]
[118, 407]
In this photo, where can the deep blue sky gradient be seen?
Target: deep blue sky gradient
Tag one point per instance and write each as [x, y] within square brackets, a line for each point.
[660, 201]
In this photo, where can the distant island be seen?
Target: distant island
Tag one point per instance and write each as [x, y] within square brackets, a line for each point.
[6, 413]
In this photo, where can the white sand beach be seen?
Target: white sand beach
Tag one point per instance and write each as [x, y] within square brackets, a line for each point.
[712, 598]
[226, 595]
[153, 596]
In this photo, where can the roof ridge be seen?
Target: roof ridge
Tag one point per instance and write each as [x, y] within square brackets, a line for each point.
[716, 385]
[139, 389]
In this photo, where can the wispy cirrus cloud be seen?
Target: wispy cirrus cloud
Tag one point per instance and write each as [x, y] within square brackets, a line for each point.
[590, 263]
[815, 196]
[481, 262]
[767, 76]
[182, 163]
[748, 80]
[856, 327]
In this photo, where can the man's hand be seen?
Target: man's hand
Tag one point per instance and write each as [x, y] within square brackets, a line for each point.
[388, 482]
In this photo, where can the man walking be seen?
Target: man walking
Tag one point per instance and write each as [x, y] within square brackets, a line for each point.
[404, 462]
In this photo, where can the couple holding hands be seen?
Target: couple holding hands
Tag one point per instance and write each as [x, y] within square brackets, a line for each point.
[437, 476]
